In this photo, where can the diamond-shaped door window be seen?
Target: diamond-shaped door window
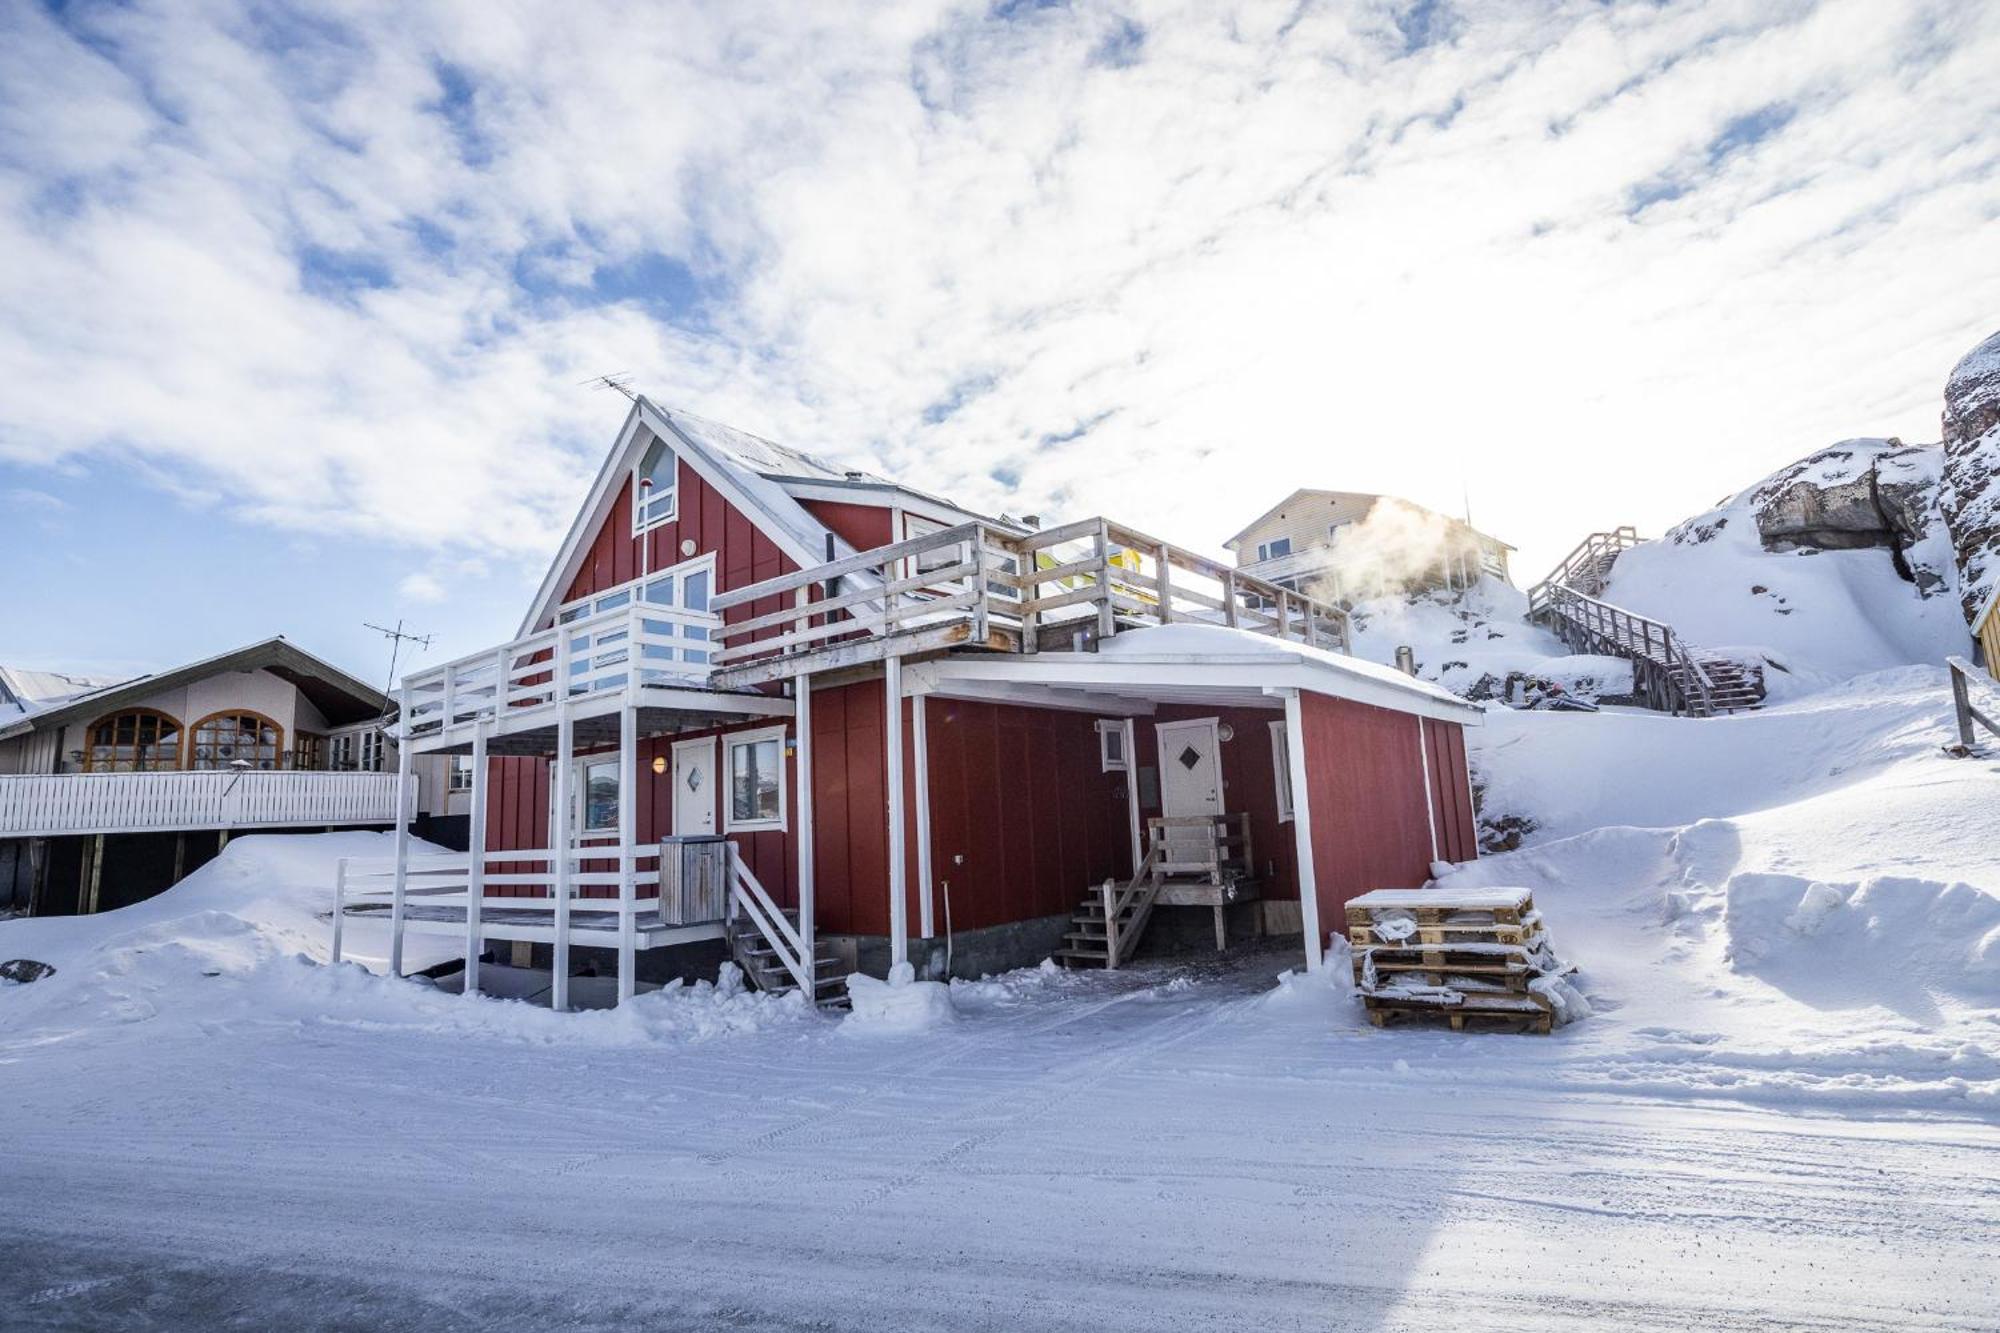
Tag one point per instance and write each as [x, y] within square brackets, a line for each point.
[694, 779]
[1189, 757]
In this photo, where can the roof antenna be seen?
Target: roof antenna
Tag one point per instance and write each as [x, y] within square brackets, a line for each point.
[396, 638]
[618, 381]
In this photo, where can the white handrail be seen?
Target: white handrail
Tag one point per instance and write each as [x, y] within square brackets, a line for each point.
[745, 892]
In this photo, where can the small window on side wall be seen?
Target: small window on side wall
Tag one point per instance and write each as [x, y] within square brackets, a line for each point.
[654, 487]
[1281, 770]
[756, 768]
[1111, 747]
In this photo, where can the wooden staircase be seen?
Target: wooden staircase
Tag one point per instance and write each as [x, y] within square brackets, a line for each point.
[764, 968]
[1201, 859]
[1668, 673]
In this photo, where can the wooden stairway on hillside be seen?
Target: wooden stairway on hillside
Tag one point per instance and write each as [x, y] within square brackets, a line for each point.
[1198, 860]
[1668, 673]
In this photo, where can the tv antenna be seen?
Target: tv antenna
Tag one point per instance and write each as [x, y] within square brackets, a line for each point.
[617, 382]
[397, 637]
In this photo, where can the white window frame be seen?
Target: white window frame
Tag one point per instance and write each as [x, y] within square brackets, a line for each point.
[458, 776]
[1281, 769]
[1110, 730]
[671, 492]
[1265, 551]
[731, 740]
[579, 797]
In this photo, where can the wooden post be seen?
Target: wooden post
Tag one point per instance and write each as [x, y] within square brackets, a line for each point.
[401, 885]
[475, 865]
[1961, 702]
[628, 833]
[1229, 598]
[1295, 743]
[899, 906]
[97, 871]
[802, 834]
[1109, 896]
[921, 780]
[1028, 563]
[1166, 588]
[339, 903]
[561, 836]
[180, 856]
[1107, 605]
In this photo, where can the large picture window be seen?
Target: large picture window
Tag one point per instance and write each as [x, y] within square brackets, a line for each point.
[756, 769]
[139, 740]
[237, 739]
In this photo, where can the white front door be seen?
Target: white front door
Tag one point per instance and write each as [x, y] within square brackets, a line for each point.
[694, 787]
[1190, 768]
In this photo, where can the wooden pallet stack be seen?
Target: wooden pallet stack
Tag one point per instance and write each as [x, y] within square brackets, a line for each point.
[1472, 956]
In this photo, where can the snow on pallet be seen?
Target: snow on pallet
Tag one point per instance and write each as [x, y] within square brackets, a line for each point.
[1480, 954]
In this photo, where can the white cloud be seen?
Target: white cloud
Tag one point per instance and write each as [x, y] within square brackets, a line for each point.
[1270, 248]
[421, 588]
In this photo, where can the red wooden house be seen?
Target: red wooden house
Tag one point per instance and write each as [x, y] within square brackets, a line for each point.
[890, 729]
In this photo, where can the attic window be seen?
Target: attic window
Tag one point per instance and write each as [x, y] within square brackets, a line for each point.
[655, 504]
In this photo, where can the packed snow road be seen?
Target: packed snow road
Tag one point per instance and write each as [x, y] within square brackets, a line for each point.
[1173, 1147]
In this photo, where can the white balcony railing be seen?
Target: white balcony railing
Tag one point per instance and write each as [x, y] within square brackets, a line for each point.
[587, 656]
[47, 805]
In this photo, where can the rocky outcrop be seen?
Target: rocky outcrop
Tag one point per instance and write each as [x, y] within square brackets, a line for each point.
[1971, 494]
[25, 970]
[1859, 494]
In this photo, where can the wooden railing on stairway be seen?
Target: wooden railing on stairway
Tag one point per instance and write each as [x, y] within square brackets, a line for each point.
[1587, 569]
[1964, 675]
[748, 899]
[1138, 894]
[976, 586]
[1665, 672]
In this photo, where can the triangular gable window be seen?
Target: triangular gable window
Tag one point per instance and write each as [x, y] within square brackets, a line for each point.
[658, 502]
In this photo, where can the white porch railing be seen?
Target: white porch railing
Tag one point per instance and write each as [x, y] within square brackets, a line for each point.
[588, 656]
[54, 804]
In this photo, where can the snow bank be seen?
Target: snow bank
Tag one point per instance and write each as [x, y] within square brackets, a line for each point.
[900, 1004]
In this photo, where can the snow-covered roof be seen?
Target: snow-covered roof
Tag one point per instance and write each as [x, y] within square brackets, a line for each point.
[29, 690]
[1223, 645]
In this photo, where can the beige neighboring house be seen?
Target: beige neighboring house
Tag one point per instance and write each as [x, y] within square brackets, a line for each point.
[111, 792]
[1343, 546]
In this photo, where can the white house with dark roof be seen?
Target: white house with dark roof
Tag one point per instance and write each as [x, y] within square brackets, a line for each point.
[110, 792]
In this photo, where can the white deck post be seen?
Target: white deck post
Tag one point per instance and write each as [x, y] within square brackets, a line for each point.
[1132, 792]
[1430, 802]
[628, 833]
[899, 906]
[802, 772]
[1295, 744]
[475, 863]
[920, 745]
[402, 881]
[560, 839]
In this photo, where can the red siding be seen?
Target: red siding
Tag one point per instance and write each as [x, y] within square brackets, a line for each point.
[1458, 837]
[1366, 795]
[1020, 794]
[864, 527]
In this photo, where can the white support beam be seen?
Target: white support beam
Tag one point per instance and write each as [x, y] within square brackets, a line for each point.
[403, 781]
[1132, 793]
[628, 865]
[920, 745]
[562, 847]
[899, 903]
[1430, 801]
[475, 866]
[802, 835]
[1295, 744]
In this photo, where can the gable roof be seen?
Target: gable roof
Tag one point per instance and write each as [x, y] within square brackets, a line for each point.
[761, 479]
[341, 698]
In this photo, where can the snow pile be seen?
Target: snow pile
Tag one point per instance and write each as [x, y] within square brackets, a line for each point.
[900, 1004]
[1473, 640]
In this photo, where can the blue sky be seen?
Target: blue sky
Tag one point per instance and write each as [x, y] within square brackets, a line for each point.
[296, 305]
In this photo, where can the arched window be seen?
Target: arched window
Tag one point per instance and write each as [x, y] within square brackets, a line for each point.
[222, 740]
[138, 740]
